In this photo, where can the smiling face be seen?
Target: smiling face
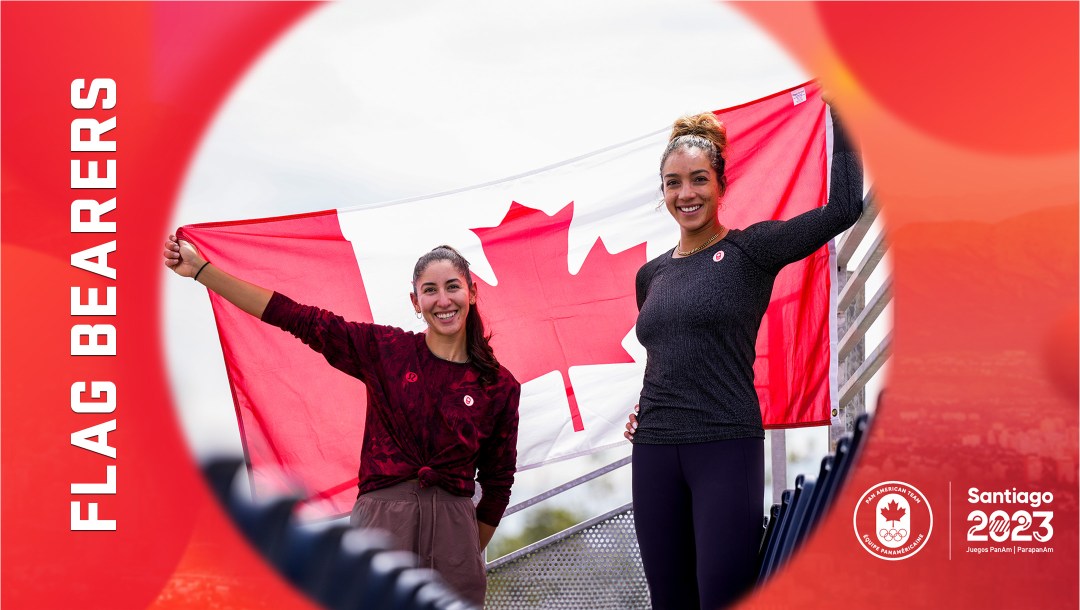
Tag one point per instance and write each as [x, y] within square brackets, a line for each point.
[691, 190]
[443, 296]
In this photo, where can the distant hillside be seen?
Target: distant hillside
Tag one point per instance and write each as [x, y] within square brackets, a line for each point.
[980, 285]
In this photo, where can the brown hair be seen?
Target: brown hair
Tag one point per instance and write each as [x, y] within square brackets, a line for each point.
[703, 131]
[477, 345]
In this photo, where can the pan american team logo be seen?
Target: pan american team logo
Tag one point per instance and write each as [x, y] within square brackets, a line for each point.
[893, 520]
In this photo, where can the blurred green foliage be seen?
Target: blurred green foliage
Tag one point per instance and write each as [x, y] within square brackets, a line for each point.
[541, 522]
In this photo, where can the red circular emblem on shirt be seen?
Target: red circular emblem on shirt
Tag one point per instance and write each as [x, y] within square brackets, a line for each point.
[468, 400]
[410, 377]
[719, 256]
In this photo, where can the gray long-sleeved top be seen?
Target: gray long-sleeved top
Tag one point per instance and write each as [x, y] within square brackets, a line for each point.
[698, 318]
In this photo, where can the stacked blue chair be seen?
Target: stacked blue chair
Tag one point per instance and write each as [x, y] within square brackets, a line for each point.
[769, 560]
[801, 508]
[340, 567]
[770, 532]
[816, 506]
[798, 525]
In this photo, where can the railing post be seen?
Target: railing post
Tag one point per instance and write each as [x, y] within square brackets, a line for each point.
[778, 441]
[844, 422]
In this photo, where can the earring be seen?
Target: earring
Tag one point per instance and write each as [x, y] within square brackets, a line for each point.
[419, 316]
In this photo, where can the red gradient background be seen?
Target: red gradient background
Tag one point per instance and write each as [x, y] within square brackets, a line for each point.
[966, 113]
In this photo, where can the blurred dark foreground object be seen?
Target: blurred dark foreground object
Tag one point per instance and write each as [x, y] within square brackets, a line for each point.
[339, 567]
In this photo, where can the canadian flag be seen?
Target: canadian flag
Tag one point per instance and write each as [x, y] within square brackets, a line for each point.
[554, 253]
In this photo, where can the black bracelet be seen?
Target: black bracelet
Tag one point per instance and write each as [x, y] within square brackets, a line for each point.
[196, 278]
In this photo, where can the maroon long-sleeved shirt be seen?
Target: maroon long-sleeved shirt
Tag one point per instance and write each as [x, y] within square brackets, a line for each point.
[427, 418]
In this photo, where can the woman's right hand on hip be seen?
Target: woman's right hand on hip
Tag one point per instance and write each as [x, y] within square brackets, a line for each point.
[631, 426]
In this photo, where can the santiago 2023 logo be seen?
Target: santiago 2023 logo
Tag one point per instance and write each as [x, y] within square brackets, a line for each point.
[893, 520]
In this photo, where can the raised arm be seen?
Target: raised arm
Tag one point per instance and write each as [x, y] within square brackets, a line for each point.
[351, 347]
[778, 243]
[185, 261]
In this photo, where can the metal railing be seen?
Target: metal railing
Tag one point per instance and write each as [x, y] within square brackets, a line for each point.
[595, 564]
[856, 313]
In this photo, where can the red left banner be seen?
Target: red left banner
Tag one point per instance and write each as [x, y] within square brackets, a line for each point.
[102, 105]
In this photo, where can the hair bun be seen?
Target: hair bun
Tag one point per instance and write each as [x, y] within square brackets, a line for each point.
[704, 125]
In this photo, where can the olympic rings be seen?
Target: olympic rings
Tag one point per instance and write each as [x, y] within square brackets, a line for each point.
[892, 535]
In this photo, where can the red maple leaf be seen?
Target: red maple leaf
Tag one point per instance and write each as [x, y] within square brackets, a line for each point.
[543, 317]
[892, 512]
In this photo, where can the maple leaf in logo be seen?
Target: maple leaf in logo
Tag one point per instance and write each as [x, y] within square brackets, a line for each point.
[893, 512]
[543, 317]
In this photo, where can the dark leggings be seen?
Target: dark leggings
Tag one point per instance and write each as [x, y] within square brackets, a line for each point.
[698, 512]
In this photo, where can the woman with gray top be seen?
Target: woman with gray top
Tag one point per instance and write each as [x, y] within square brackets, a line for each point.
[698, 460]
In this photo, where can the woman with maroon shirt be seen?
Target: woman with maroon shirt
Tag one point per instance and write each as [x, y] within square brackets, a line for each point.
[441, 410]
